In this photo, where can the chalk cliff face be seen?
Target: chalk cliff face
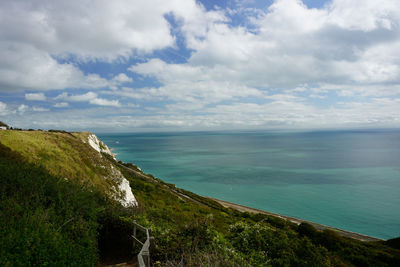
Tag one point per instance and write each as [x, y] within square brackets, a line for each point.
[98, 145]
[124, 192]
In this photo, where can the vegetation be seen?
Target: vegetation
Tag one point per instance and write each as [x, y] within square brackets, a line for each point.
[63, 154]
[394, 242]
[55, 210]
[45, 220]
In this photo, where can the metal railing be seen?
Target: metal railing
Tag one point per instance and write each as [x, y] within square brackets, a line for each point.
[144, 254]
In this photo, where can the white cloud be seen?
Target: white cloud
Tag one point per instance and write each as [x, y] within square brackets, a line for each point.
[364, 15]
[268, 72]
[361, 90]
[37, 34]
[90, 30]
[26, 67]
[188, 83]
[35, 97]
[89, 97]
[3, 109]
[76, 98]
[105, 102]
[40, 109]
[22, 109]
[102, 29]
[119, 80]
[291, 49]
[317, 96]
[122, 78]
[81, 98]
[379, 112]
[293, 45]
[61, 105]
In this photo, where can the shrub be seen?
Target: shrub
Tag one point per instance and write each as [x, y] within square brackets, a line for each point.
[306, 229]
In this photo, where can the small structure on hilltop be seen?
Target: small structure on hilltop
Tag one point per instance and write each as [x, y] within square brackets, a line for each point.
[3, 126]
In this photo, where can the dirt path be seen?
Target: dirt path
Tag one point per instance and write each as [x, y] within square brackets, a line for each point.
[297, 221]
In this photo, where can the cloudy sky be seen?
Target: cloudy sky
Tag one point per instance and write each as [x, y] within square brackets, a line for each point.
[133, 65]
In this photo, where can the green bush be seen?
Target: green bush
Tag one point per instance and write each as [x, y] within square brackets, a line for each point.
[306, 229]
[394, 242]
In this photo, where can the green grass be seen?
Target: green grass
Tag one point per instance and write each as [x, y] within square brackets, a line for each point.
[45, 221]
[62, 154]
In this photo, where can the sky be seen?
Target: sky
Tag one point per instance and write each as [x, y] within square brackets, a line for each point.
[156, 65]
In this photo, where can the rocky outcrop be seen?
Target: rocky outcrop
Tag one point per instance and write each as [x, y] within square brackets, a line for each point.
[99, 146]
[123, 191]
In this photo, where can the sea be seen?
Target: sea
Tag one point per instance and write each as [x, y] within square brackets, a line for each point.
[345, 179]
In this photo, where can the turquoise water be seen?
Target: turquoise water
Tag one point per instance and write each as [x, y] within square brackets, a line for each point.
[345, 179]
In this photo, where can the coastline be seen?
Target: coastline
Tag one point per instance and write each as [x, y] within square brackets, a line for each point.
[321, 227]
[242, 208]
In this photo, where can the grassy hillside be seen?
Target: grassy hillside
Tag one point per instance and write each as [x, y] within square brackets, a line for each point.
[46, 219]
[63, 154]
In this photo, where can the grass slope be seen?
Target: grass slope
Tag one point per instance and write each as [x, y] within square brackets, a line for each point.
[45, 221]
[55, 205]
[63, 154]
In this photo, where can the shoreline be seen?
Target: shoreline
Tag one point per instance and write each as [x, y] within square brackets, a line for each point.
[242, 208]
[320, 227]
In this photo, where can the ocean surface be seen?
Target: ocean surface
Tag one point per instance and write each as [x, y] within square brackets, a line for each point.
[345, 179]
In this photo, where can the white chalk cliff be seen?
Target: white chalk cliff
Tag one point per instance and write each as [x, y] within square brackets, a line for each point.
[124, 192]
